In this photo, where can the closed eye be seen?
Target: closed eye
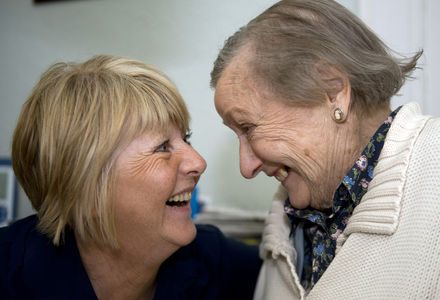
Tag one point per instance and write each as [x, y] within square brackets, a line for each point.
[247, 128]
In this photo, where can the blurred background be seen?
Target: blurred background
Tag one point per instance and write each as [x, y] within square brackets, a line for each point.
[182, 38]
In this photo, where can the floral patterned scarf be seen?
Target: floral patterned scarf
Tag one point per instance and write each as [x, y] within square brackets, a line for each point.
[322, 228]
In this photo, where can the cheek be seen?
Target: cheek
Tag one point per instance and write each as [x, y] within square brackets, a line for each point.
[277, 147]
[141, 199]
[146, 181]
[144, 166]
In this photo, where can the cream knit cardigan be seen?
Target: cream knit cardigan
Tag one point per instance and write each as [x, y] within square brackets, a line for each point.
[390, 248]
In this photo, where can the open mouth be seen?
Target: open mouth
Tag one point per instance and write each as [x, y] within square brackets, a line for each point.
[179, 200]
[282, 173]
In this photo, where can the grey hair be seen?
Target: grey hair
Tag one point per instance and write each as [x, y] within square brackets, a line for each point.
[295, 43]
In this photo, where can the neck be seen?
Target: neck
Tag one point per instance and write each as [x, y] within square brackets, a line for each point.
[350, 140]
[118, 273]
[367, 125]
[360, 129]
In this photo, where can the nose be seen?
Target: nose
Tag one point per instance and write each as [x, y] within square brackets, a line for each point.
[250, 164]
[193, 163]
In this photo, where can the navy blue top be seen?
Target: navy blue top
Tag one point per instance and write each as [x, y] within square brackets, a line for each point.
[211, 267]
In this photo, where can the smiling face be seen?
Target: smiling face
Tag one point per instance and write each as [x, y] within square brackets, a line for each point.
[155, 177]
[298, 145]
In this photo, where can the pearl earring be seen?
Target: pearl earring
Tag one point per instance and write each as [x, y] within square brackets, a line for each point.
[338, 115]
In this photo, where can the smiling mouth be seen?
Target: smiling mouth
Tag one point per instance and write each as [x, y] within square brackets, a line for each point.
[282, 173]
[179, 200]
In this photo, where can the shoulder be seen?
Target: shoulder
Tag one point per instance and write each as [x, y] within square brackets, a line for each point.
[211, 242]
[418, 133]
[238, 264]
[208, 232]
[212, 245]
[16, 234]
[213, 266]
[424, 162]
[12, 251]
[209, 236]
[32, 267]
[411, 134]
[432, 132]
[17, 229]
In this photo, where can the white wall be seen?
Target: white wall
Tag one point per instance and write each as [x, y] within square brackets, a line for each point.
[182, 38]
[408, 26]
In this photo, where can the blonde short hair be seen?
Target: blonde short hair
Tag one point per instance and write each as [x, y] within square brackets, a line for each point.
[70, 130]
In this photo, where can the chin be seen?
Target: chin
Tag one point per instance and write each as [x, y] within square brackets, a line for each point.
[321, 206]
[190, 235]
[297, 202]
[183, 235]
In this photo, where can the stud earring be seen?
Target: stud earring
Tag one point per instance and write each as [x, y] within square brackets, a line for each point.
[338, 115]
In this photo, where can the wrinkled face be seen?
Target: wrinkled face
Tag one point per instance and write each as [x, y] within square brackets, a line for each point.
[289, 142]
[155, 177]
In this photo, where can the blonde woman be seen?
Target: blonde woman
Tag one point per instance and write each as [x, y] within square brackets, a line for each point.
[101, 149]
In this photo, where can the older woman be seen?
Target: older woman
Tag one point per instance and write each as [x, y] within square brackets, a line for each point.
[101, 150]
[306, 86]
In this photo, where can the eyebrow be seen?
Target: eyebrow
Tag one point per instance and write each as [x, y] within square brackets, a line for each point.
[159, 141]
[228, 115]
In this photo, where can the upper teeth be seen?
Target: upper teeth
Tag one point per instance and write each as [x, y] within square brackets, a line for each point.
[281, 174]
[181, 197]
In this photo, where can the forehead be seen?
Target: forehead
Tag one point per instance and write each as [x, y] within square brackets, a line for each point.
[236, 93]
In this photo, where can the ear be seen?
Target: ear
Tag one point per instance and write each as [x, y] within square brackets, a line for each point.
[338, 92]
[340, 99]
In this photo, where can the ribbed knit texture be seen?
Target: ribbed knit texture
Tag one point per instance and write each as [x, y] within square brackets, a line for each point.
[390, 247]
